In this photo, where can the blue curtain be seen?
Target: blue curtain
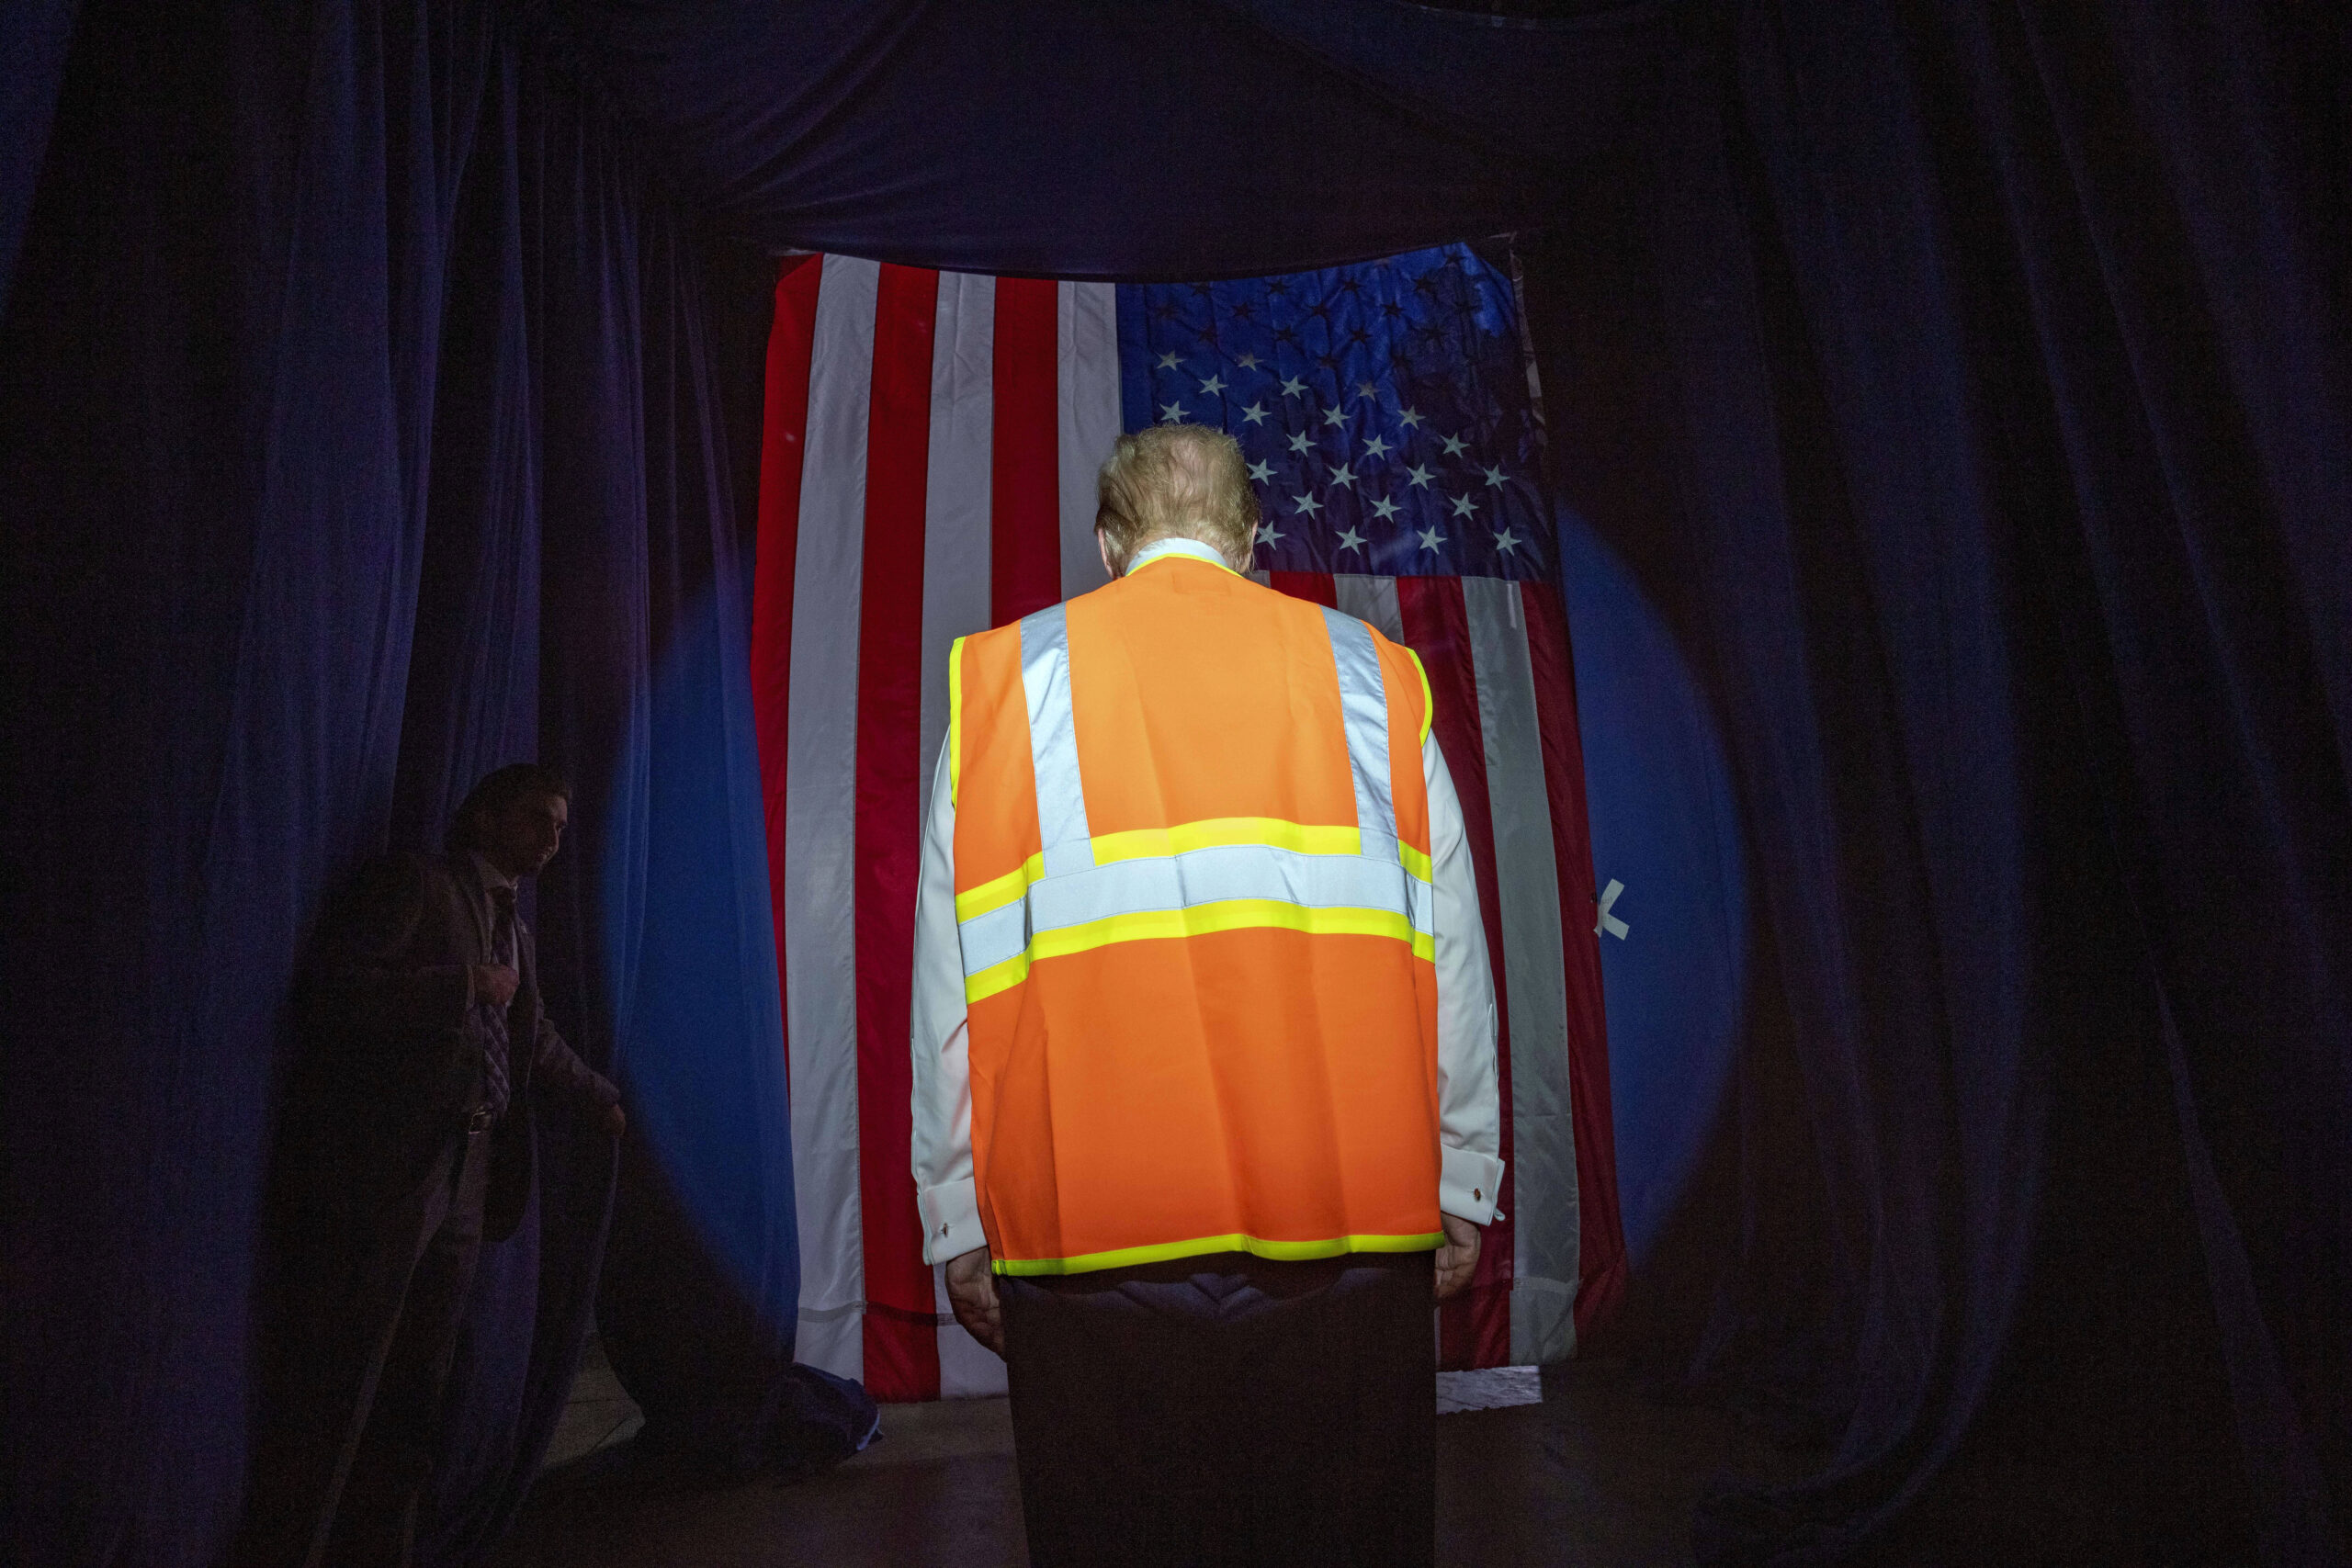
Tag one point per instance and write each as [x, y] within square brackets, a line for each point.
[1969, 382]
[359, 430]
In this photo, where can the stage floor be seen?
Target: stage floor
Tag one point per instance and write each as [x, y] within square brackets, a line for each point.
[1596, 1473]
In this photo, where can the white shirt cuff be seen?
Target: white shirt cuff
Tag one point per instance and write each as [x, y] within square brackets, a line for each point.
[951, 1220]
[1466, 1184]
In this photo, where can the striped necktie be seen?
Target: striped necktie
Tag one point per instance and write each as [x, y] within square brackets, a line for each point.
[496, 1086]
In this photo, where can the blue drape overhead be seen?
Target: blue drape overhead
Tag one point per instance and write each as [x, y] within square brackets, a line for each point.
[1966, 382]
[1191, 139]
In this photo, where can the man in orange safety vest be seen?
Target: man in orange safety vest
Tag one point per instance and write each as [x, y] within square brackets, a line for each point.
[1204, 1095]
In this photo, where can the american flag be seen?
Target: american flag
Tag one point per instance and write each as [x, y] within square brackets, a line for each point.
[931, 440]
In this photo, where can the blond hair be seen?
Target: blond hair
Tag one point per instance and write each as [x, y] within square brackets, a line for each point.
[1176, 481]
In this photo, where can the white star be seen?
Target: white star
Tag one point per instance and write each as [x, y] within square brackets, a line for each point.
[1408, 416]
[1367, 389]
[1376, 448]
[1343, 475]
[1267, 534]
[1214, 384]
[1454, 447]
[1172, 413]
[1294, 388]
[1262, 473]
[1247, 361]
[1383, 508]
[1352, 540]
[1253, 414]
[1306, 504]
[1507, 540]
[1335, 415]
[1418, 476]
[1463, 506]
[1431, 538]
[1494, 478]
[1167, 362]
[1302, 442]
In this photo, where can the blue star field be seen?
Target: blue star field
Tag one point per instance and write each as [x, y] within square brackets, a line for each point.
[1385, 410]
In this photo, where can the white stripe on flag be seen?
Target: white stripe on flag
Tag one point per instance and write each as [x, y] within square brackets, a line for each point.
[1372, 600]
[1086, 394]
[821, 947]
[955, 558]
[1543, 1157]
[957, 498]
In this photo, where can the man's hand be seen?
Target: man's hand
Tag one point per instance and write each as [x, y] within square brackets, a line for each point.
[494, 984]
[971, 1291]
[1456, 1261]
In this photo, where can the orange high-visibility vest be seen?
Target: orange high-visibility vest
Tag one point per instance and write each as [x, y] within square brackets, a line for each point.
[1192, 897]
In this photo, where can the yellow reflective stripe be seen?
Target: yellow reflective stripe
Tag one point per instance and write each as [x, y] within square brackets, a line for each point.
[1415, 861]
[1198, 920]
[1144, 843]
[1226, 915]
[1000, 891]
[956, 721]
[1256, 1247]
[997, 978]
[1429, 708]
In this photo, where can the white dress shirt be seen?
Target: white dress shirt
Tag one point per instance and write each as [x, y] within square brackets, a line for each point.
[1469, 1110]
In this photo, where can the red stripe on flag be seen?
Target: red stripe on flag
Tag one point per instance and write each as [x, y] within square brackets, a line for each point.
[783, 427]
[1024, 487]
[1601, 1233]
[1316, 587]
[901, 1336]
[1474, 1329]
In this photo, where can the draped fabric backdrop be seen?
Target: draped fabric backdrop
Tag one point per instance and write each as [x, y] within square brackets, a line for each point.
[360, 430]
[1968, 383]
[1965, 380]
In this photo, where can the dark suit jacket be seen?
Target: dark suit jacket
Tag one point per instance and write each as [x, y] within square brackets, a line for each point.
[393, 1057]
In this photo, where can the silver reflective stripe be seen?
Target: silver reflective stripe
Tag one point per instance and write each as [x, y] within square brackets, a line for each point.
[1421, 901]
[1053, 741]
[1213, 876]
[1363, 709]
[990, 938]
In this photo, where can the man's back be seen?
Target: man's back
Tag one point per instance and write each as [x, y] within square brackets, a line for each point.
[1203, 1067]
[1192, 880]
[1207, 695]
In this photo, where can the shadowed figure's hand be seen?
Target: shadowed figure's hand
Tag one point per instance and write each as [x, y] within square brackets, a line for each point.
[494, 984]
[971, 1291]
[1456, 1259]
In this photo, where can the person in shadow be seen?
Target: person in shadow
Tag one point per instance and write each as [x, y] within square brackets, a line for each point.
[406, 1142]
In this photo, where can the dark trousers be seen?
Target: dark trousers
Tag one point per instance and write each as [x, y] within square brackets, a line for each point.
[355, 1445]
[1226, 1411]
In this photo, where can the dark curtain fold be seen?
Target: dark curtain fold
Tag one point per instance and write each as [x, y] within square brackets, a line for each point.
[359, 431]
[34, 37]
[1967, 382]
[1071, 140]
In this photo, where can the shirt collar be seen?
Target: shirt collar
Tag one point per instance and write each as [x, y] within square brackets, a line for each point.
[1160, 549]
[491, 877]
